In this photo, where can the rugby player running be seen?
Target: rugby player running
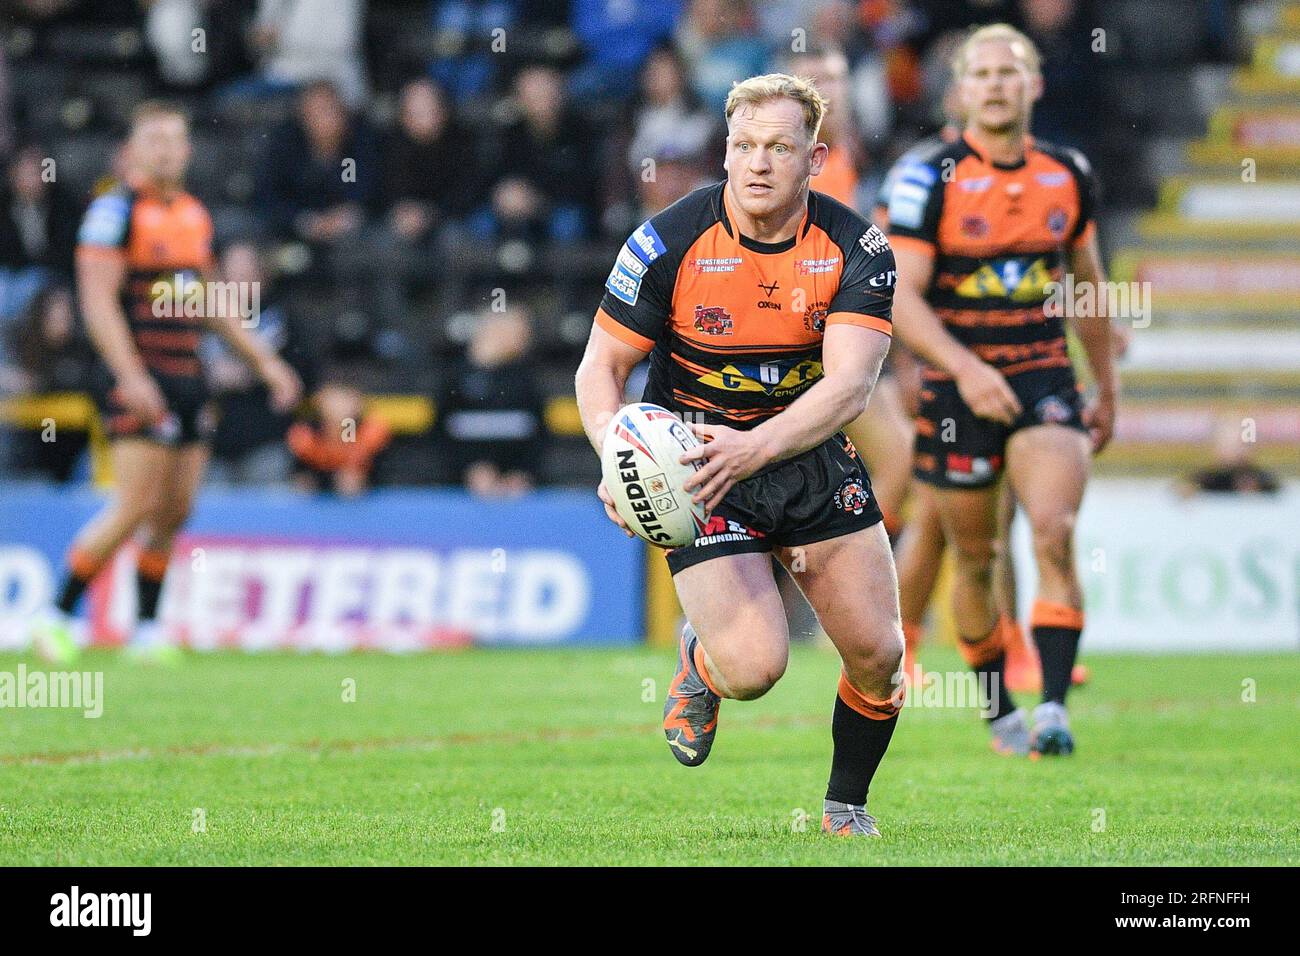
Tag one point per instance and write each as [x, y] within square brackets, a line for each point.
[765, 308]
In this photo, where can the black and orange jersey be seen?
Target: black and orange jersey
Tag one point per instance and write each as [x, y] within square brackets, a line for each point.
[166, 246]
[999, 234]
[735, 326]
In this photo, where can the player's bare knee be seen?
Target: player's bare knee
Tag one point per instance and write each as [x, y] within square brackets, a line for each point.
[876, 660]
[753, 677]
[169, 517]
[134, 511]
[974, 561]
[1054, 539]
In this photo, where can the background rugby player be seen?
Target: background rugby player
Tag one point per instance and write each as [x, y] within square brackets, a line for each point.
[981, 227]
[144, 240]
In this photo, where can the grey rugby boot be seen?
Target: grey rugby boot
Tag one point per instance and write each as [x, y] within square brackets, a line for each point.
[1051, 736]
[691, 709]
[845, 819]
[1010, 734]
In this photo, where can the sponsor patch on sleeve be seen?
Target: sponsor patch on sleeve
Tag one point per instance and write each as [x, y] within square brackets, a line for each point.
[623, 283]
[645, 242]
[918, 173]
[907, 204]
[105, 222]
[629, 261]
[873, 241]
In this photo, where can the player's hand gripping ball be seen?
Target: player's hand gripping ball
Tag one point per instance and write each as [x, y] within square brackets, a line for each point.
[639, 463]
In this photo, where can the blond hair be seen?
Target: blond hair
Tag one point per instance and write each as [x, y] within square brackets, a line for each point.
[1021, 46]
[154, 109]
[773, 86]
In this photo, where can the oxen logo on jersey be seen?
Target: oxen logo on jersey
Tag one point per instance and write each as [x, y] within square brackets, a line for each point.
[976, 227]
[1051, 410]
[1007, 278]
[852, 496]
[781, 377]
[873, 241]
[713, 320]
[1057, 220]
[769, 289]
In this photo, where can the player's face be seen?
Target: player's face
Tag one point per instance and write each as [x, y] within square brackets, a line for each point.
[998, 90]
[770, 158]
[160, 149]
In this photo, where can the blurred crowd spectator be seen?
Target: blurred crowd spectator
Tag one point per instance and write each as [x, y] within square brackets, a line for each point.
[491, 413]
[336, 445]
[38, 229]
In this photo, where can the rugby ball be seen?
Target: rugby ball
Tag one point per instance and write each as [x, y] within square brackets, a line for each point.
[639, 462]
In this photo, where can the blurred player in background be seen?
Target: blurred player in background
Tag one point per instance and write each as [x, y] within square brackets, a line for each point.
[981, 227]
[141, 250]
[767, 309]
[919, 549]
[882, 433]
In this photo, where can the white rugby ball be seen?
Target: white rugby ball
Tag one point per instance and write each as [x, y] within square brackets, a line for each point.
[639, 463]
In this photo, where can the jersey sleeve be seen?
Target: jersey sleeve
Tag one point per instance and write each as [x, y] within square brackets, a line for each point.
[866, 293]
[104, 227]
[1086, 182]
[638, 292]
[915, 204]
[880, 208]
[206, 252]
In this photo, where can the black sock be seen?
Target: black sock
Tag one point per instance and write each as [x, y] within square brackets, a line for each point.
[149, 590]
[1057, 649]
[992, 675]
[74, 585]
[860, 743]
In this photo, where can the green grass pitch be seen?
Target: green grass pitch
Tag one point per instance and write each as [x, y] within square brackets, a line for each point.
[553, 757]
